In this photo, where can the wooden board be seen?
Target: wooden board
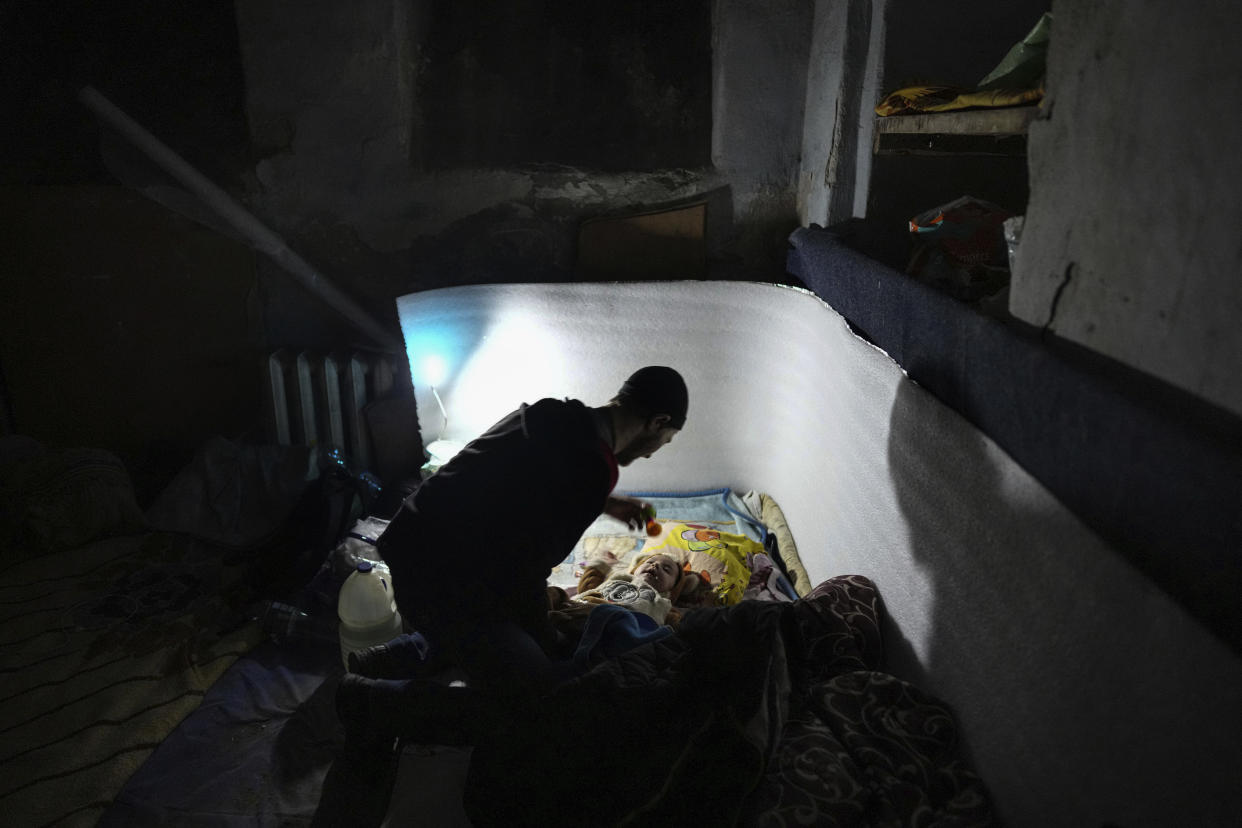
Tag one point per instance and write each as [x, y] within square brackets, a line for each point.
[661, 244]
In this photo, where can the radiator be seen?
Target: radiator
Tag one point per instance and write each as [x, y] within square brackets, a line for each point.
[319, 399]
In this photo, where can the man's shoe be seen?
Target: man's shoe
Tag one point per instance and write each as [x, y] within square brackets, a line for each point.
[372, 662]
[407, 656]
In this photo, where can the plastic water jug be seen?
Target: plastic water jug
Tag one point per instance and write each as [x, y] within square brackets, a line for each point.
[287, 624]
[367, 609]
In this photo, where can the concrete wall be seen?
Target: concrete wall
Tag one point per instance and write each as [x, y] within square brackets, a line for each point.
[124, 326]
[1129, 188]
[759, 51]
[335, 99]
[329, 102]
[1131, 244]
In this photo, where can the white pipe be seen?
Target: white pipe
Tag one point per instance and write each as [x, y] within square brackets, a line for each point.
[241, 220]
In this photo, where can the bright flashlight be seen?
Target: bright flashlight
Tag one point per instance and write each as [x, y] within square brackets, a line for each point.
[434, 370]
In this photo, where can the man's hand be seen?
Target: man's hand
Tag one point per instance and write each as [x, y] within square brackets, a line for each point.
[628, 510]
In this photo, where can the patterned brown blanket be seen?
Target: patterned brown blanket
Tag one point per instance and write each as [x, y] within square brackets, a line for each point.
[756, 714]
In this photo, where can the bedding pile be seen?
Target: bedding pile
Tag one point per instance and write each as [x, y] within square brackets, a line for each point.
[111, 632]
[768, 711]
[114, 622]
[756, 713]
[107, 647]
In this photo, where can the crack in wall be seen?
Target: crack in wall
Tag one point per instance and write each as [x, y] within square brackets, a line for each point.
[1056, 297]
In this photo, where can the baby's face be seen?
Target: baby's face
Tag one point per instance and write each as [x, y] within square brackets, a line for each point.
[660, 571]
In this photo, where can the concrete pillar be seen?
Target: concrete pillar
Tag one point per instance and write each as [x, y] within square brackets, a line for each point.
[759, 60]
[843, 85]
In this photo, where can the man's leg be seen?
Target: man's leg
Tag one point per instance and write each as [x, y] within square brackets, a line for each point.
[422, 711]
[507, 672]
[358, 785]
[501, 657]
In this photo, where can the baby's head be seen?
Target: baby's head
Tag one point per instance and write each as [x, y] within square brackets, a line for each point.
[660, 571]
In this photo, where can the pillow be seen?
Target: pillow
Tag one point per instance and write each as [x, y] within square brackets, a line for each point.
[617, 550]
[720, 557]
[58, 500]
[240, 495]
[774, 518]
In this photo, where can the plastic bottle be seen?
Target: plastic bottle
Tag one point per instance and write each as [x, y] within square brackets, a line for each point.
[367, 609]
[286, 624]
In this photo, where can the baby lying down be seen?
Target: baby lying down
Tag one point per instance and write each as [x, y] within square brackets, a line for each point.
[656, 587]
[649, 595]
[647, 591]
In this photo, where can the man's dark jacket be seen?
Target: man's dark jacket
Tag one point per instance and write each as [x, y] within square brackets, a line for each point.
[480, 536]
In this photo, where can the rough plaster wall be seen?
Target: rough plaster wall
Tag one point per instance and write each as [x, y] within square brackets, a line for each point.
[329, 98]
[465, 226]
[1131, 245]
[760, 51]
[344, 182]
[332, 99]
[610, 85]
[759, 54]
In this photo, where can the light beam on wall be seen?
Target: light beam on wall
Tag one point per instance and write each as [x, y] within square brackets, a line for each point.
[473, 368]
[517, 360]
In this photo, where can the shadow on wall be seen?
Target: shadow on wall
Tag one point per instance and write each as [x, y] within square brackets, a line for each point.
[1067, 669]
[994, 619]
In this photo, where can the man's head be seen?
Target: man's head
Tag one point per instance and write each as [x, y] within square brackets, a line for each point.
[651, 408]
